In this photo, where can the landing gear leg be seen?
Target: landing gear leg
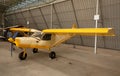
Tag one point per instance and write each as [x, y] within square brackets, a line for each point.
[23, 55]
[52, 55]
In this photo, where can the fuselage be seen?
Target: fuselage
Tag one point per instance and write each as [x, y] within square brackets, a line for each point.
[32, 42]
[46, 41]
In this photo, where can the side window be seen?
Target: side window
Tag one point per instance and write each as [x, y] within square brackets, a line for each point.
[46, 37]
[20, 34]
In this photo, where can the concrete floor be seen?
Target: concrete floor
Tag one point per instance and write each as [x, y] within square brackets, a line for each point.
[69, 62]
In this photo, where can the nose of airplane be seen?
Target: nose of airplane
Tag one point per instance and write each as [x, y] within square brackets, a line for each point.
[11, 40]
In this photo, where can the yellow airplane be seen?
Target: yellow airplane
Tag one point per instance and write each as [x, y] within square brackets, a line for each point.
[49, 38]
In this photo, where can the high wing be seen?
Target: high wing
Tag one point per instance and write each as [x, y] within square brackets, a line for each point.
[61, 35]
[16, 26]
[83, 31]
[7, 28]
[24, 30]
[19, 28]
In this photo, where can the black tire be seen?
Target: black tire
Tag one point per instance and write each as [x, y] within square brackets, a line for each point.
[21, 57]
[35, 50]
[52, 55]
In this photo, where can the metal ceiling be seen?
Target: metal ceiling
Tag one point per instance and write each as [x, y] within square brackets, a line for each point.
[6, 3]
[9, 2]
[16, 4]
[28, 4]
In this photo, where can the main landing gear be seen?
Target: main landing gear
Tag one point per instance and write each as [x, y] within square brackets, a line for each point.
[52, 55]
[23, 54]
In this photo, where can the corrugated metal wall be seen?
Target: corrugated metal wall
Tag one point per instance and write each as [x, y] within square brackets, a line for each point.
[80, 12]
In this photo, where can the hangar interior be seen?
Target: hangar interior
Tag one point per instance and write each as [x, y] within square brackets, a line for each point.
[74, 57]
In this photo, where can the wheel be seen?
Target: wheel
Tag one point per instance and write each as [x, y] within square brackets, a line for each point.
[35, 50]
[21, 57]
[52, 55]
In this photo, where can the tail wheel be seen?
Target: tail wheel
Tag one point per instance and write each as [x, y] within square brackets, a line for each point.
[22, 56]
[35, 50]
[52, 55]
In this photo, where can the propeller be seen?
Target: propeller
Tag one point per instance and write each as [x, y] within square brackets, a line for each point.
[11, 40]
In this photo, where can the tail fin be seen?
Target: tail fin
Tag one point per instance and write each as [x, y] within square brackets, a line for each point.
[74, 26]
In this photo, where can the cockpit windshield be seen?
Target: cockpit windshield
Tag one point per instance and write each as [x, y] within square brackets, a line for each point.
[36, 34]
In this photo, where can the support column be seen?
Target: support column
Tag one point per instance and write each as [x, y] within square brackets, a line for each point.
[96, 18]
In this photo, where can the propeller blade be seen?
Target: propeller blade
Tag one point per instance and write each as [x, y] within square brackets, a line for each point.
[15, 35]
